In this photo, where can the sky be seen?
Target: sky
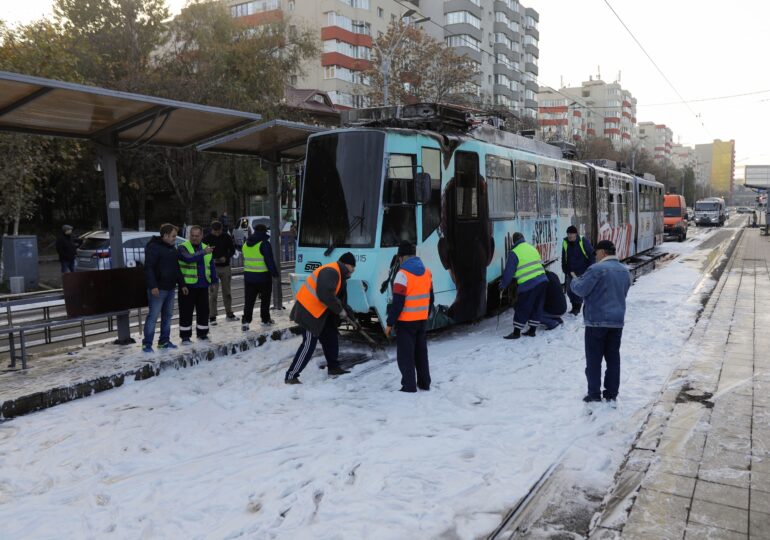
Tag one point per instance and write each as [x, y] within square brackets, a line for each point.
[705, 48]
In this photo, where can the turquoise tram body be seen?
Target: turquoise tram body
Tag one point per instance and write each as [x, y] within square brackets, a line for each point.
[458, 198]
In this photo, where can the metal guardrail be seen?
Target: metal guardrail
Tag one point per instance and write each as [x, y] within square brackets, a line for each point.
[37, 320]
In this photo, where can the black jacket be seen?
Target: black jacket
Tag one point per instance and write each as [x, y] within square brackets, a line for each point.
[223, 247]
[66, 248]
[325, 287]
[161, 265]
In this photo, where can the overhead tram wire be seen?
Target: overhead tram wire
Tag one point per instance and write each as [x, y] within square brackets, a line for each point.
[697, 116]
[493, 56]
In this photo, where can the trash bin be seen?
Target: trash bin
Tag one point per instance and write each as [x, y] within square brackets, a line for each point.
[20, 259]
[16, 284]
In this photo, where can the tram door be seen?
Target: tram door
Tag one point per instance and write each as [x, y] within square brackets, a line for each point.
[467, 246]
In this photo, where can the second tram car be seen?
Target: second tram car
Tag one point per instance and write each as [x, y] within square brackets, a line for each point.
[459, 198]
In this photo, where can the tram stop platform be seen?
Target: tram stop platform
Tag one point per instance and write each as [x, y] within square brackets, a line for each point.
[700, 467]
[53, 379]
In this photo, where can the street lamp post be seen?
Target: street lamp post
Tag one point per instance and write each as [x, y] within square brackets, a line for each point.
[387, 57]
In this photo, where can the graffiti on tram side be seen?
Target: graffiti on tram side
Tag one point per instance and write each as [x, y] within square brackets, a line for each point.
[544, 238]
[621, 236]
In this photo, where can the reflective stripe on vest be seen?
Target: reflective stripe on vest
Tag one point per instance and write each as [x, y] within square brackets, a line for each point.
[253, 260]
[530, 265]
[417, 302]
[190, 269]
[307, 295]
[580, 243]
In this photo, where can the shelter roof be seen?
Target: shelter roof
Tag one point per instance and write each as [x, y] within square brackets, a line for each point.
[56, 108]
[276, 138]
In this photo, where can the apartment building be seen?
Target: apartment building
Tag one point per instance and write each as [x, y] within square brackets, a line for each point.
[346, 30]
[715, 167]
[683, 156]
[657, 140]
[594, 109]
[501, 37]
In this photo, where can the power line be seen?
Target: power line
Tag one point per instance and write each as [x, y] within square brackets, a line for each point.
[697, 116]
[709, 98]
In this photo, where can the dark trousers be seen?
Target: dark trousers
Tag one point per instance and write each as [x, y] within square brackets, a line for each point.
[331, 347]
[251, 290]
[574, 299]
[412, 349]
[529, 307]
[67, 266]
[196, 299]
[603, 343]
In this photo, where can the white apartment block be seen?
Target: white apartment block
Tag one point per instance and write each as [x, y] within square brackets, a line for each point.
[595, 109]
[683, 156]
[657, 140]
[501, 36]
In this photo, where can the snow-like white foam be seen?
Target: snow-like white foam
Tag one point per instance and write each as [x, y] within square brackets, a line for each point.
[227, 450]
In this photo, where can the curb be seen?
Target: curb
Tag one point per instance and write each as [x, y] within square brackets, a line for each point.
[610, 519]
[56, 396]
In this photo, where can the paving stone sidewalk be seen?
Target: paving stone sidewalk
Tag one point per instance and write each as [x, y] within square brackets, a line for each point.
[701, 467]
[57, 378]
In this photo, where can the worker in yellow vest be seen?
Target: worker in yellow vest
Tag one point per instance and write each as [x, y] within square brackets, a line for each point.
[196, 264]
[319, 307]
[409, 311]
[259, 270]
[524, 265]
[577, 255]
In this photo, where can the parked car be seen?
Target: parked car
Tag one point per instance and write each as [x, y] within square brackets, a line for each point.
[690, 214]
[675, 216]
[744, 210]
[94, 253]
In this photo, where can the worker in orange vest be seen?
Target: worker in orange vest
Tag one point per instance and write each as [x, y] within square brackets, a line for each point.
[319, 307]
[412, 298]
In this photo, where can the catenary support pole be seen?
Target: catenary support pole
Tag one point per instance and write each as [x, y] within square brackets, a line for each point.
[275, 226]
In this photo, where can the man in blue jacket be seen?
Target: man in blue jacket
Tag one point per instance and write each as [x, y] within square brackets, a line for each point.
[198, 272]
[603, 287]
[525, 266]
[161, 272]
[576, 256]
[259, 270]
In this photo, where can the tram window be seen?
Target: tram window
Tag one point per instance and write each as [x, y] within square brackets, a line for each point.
[548, 191]
[398, 225]
[502, 197]
[467, 185]
[399, 183]
[566, 202]
[526, 189]
[431, 211]
[612, 203]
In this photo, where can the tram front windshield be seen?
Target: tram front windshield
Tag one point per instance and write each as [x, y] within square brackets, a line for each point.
[341, 190]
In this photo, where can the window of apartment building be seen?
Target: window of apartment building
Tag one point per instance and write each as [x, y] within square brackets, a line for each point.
[380, 12]
[335, 19]
[504, 60]
[291, 5]
[530, 40]
[362, 4]
[530, 22]
[342, 47]
[459, 17]
[294, 80]
[502, 38]
[529, 94]
[531, 58]
[361, 27]
[257, 6]
[463, 40]
[613, 103]
[502, 79]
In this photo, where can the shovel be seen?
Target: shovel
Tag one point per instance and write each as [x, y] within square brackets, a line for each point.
[378, 351]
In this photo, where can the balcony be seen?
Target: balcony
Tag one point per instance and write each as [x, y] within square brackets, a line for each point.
[529, 67]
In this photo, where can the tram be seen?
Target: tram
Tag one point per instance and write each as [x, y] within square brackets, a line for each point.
[458, 195]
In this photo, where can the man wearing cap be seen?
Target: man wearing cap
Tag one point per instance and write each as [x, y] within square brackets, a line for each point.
[412, 298]
[319, 307]
[525, 266]
[576, 256]
[67, 249]
[603, 288]
[259, 270]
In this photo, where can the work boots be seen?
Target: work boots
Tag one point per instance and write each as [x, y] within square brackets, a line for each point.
[516, 334]
[575, 309]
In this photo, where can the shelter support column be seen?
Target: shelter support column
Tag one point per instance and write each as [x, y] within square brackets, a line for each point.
[109, 161]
